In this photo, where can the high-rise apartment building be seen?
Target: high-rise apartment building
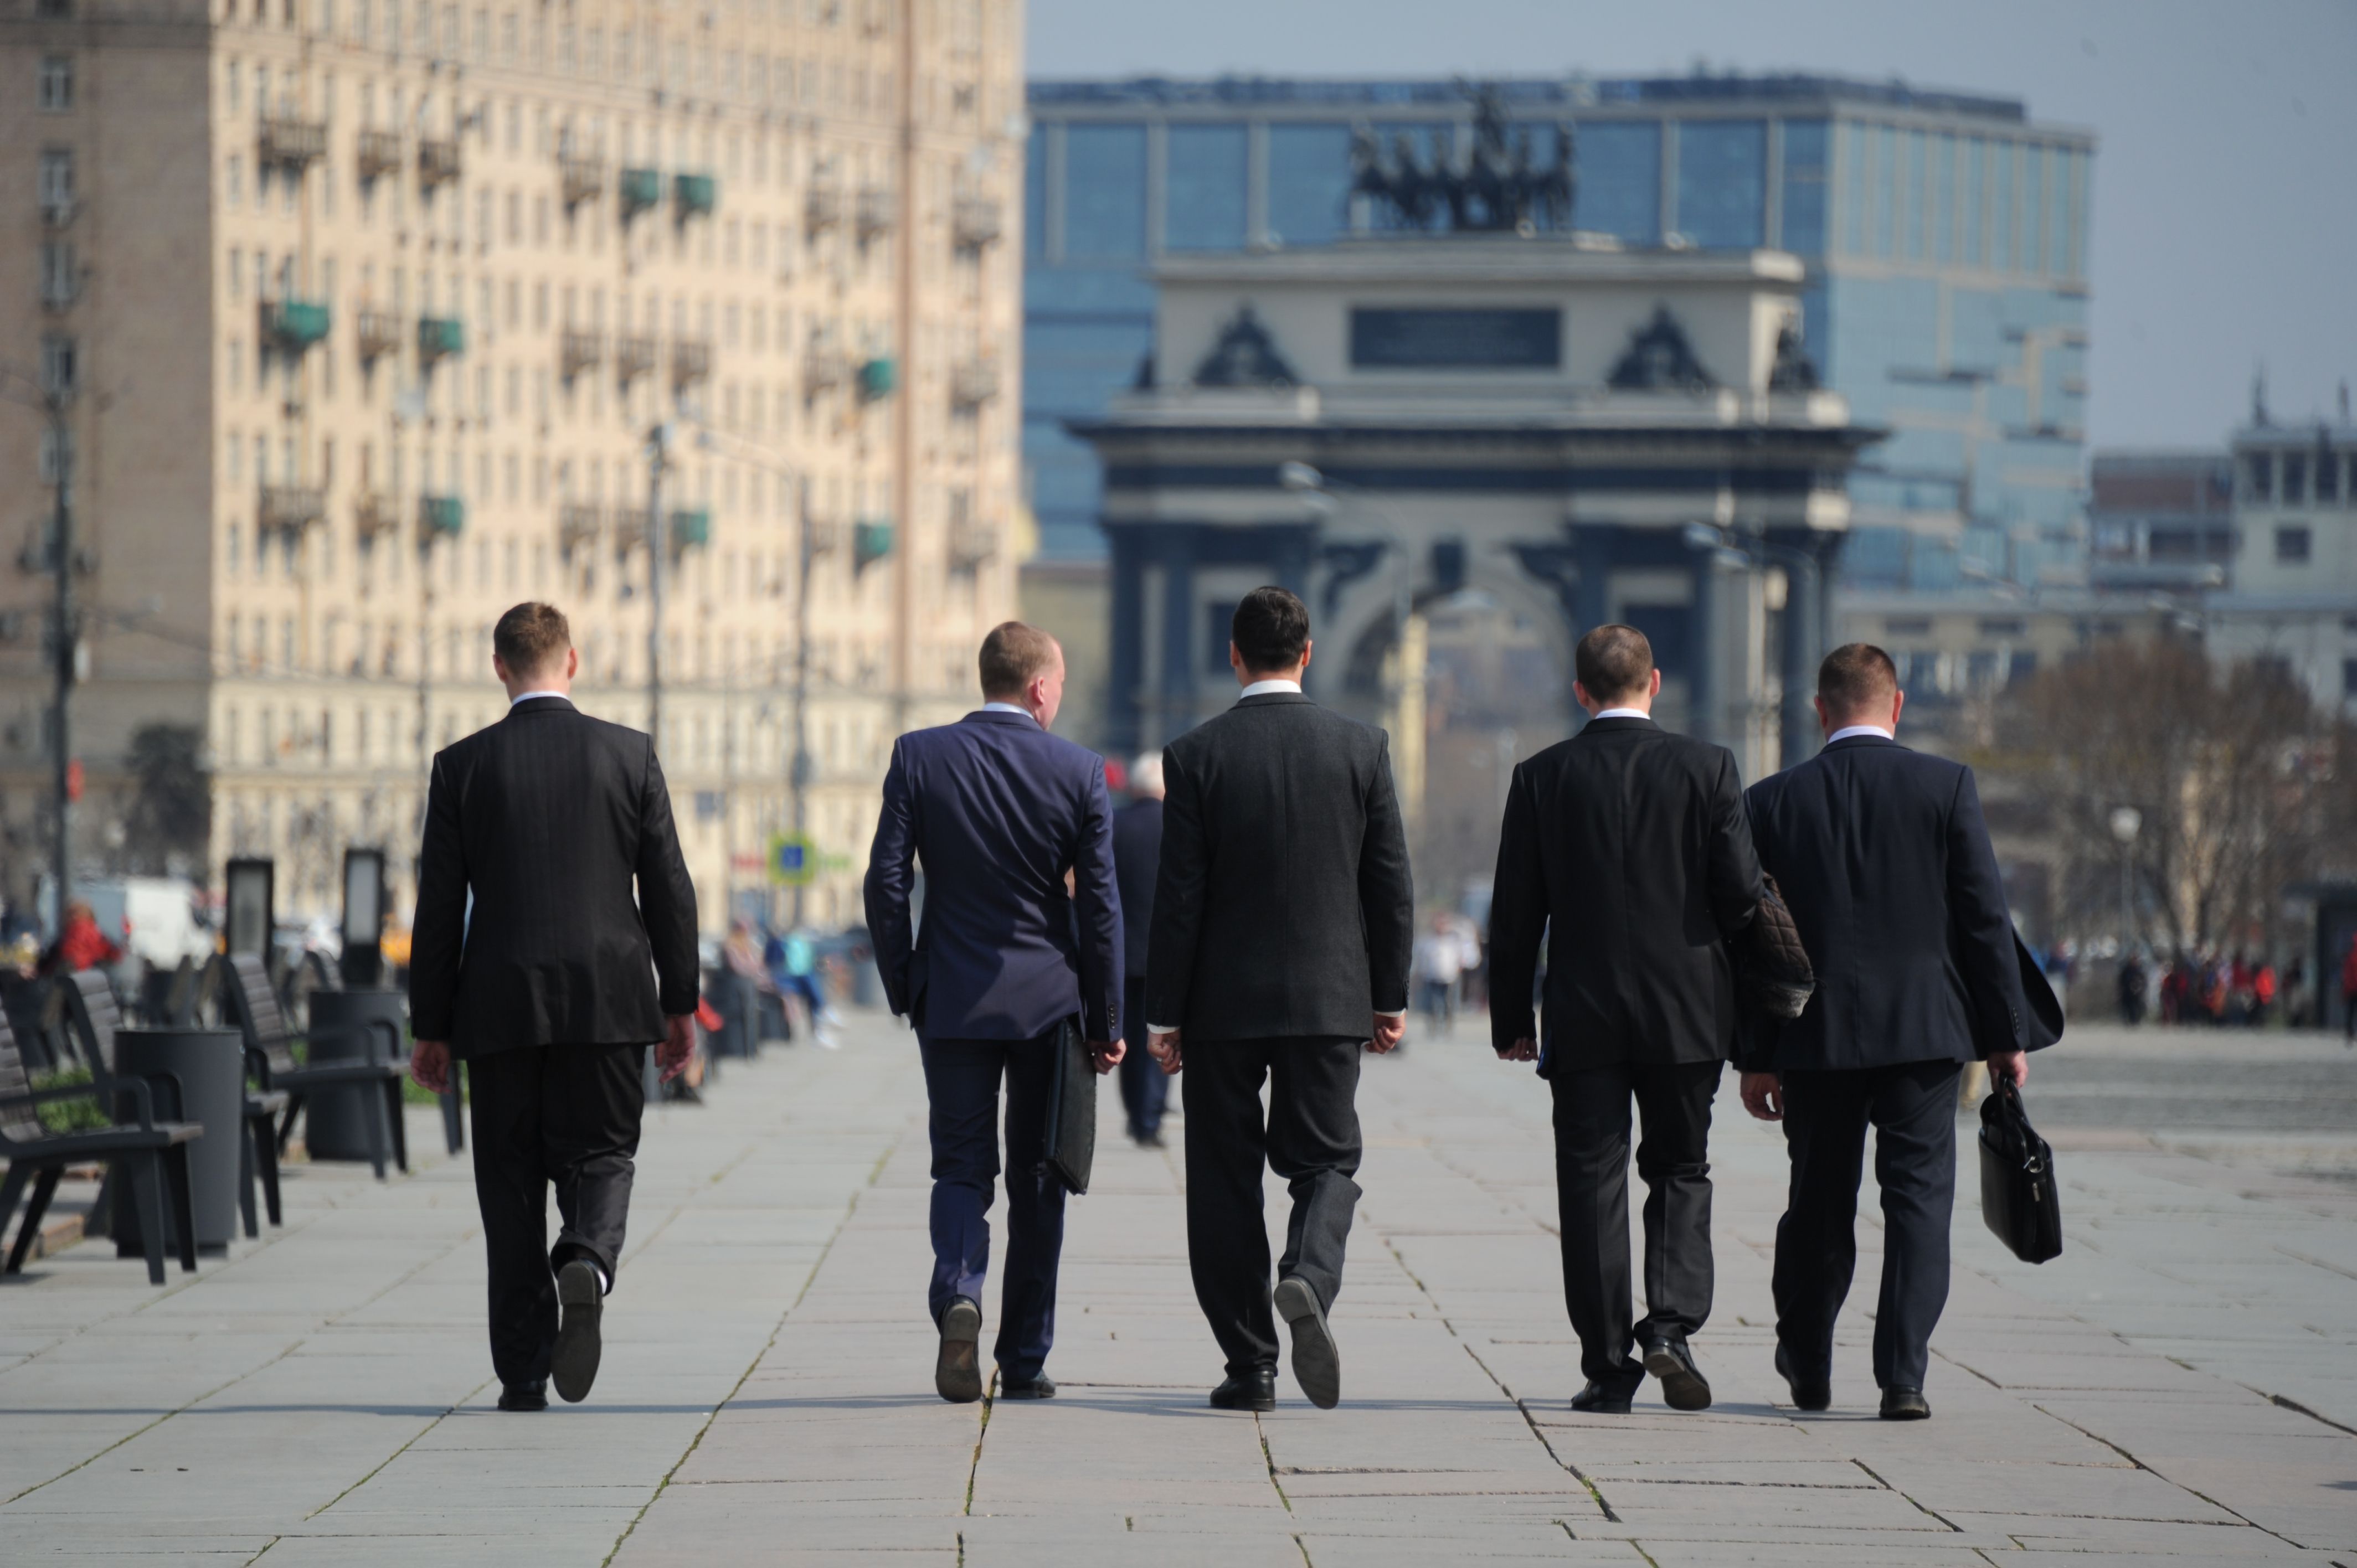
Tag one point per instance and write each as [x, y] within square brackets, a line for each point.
[369, 309]
[1945, 237]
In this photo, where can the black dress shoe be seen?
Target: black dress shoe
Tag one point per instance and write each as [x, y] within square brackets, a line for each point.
[1904, 1405]
[957, 1370]
[581, 1296]
[1042, 1387]
[532, 1395]
[1254, 1391]
[1808, 1393]
[1682, 1384]
[1317, 1359]
[1598, 1399]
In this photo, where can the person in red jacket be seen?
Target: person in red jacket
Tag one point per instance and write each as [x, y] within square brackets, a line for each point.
[81, 945]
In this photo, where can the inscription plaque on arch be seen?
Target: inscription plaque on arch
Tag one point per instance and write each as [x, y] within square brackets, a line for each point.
[1454, 338]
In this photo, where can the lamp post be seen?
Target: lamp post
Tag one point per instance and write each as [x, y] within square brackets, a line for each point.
[51, 397]
[2126, 823]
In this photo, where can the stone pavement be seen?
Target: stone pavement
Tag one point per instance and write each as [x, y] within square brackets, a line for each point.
[2181, 1385]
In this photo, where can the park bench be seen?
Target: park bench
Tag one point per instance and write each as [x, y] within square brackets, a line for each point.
[249, 1000]
[153, 1154]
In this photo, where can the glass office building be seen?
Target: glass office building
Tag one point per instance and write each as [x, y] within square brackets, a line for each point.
[1946, 235]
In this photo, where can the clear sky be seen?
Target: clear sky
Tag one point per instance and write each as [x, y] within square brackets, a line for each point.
[2225, 227]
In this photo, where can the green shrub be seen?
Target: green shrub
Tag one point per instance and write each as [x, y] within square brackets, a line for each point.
[81, 1115]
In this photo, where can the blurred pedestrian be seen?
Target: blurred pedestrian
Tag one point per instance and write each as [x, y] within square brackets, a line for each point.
[2132, 985]
[1439, 964]
[80, 944]
[1137, 860]
[2349, 993]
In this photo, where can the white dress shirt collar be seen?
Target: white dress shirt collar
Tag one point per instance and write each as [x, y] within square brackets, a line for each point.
[1264, 688]
[1851, 732]
[1006, 708]
[1623, 714]
[528, 696]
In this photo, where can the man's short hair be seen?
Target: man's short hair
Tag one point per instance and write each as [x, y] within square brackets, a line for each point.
[530, 636]
[1013, 656]
[1271, 628]
[1614, 660]
[1854, 676]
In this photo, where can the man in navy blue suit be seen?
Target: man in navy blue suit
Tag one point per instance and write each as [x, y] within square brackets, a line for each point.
[1884, 859]
[1022, 931]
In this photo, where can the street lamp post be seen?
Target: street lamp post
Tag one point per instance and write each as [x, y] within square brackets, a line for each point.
[658, 543]
[65, 642]
[2126, 823]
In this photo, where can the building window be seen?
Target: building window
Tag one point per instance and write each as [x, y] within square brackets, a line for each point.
[1105, 181]
[60, 276]
[1806, 170]
[54, 91]
[1205, 179]
[2291, 545]
[1620, 186]
[1723, 183]
[58, 366]
[56, 179]
[2294, 478]
[2327, 476]
[2259, 475]
[2349, 679]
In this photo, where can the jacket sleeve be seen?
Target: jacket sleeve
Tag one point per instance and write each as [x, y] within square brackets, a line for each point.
[1387, 891]
[1099, 898]
[1178, 883]
[666, 896]
[892, 872]
[1734, 884]
[1980, 929]
[1518, 917]
[438, 933]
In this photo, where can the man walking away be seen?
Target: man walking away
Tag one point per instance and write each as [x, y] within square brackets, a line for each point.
[578, 952]
[1000, 812]
[1282, 918]
[1136, 855]
[1627, 845]
[1439, 964]
[1883, 856]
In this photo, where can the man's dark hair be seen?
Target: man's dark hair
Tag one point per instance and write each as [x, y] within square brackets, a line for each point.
[1013, 655]
[1855, 675]
[1271, 628]
[530, 636]
[1614, 660]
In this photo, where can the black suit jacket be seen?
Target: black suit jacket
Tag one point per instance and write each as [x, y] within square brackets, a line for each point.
[1882, 855]
[1283, 907]
[1136, 856]
[549, 818]
[1627, 844]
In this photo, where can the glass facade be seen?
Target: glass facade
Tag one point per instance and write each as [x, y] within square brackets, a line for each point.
[1945, 238]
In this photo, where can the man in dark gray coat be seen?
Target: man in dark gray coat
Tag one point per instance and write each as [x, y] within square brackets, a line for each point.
[1282, 918]
[1136, 861]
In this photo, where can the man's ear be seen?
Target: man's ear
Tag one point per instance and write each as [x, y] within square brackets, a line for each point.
[1655, 689]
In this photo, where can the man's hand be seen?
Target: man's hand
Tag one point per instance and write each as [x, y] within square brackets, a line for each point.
[1105, 1055]
[429, 1064]
[1763, 1096]
[1388, 1033]
[2011, 1065]
[678, 1046]
[1525, 1049]
[1164, 1049]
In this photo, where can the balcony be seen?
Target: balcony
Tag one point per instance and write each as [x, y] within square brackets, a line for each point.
[438, 162]
[583, 178]
[822, 367]
[973, 382]
[373, 514]
[694, 194]
[973, 223]
[871, 540]
[629, 530]
[875, 211]
[577, 524]
[633, 358]
[441, 517]
[294, 325]
[971, 546]
[822, 208]
[380, 152]
[289, 508]
[691, 361]
[380, 334]
[440, 337]
[579, 351]
[293, 143]
[877, 377]
[58, 213]
[640, 190]
[691, 527]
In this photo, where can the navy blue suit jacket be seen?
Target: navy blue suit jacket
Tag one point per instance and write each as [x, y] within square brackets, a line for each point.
[997, 810]
[1882, 855]
[1137, 859]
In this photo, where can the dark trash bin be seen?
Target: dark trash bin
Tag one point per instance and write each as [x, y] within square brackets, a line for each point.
[194, 1075]
[336, 1118]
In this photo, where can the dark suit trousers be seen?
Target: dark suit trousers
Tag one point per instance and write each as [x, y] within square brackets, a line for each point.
[1912, 1108]
[567, 1114]
[962, 1085]
[1591, 1174]
[1310, 1139]
[1145, 1087]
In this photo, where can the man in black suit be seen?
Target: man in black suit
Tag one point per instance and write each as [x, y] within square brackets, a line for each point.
[551, 988]
[1626, 844]
[1882, 855]
[1137, 857]
[1283, 917]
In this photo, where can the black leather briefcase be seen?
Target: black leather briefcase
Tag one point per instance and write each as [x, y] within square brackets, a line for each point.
[1071, 1110]
[2018, 1198]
